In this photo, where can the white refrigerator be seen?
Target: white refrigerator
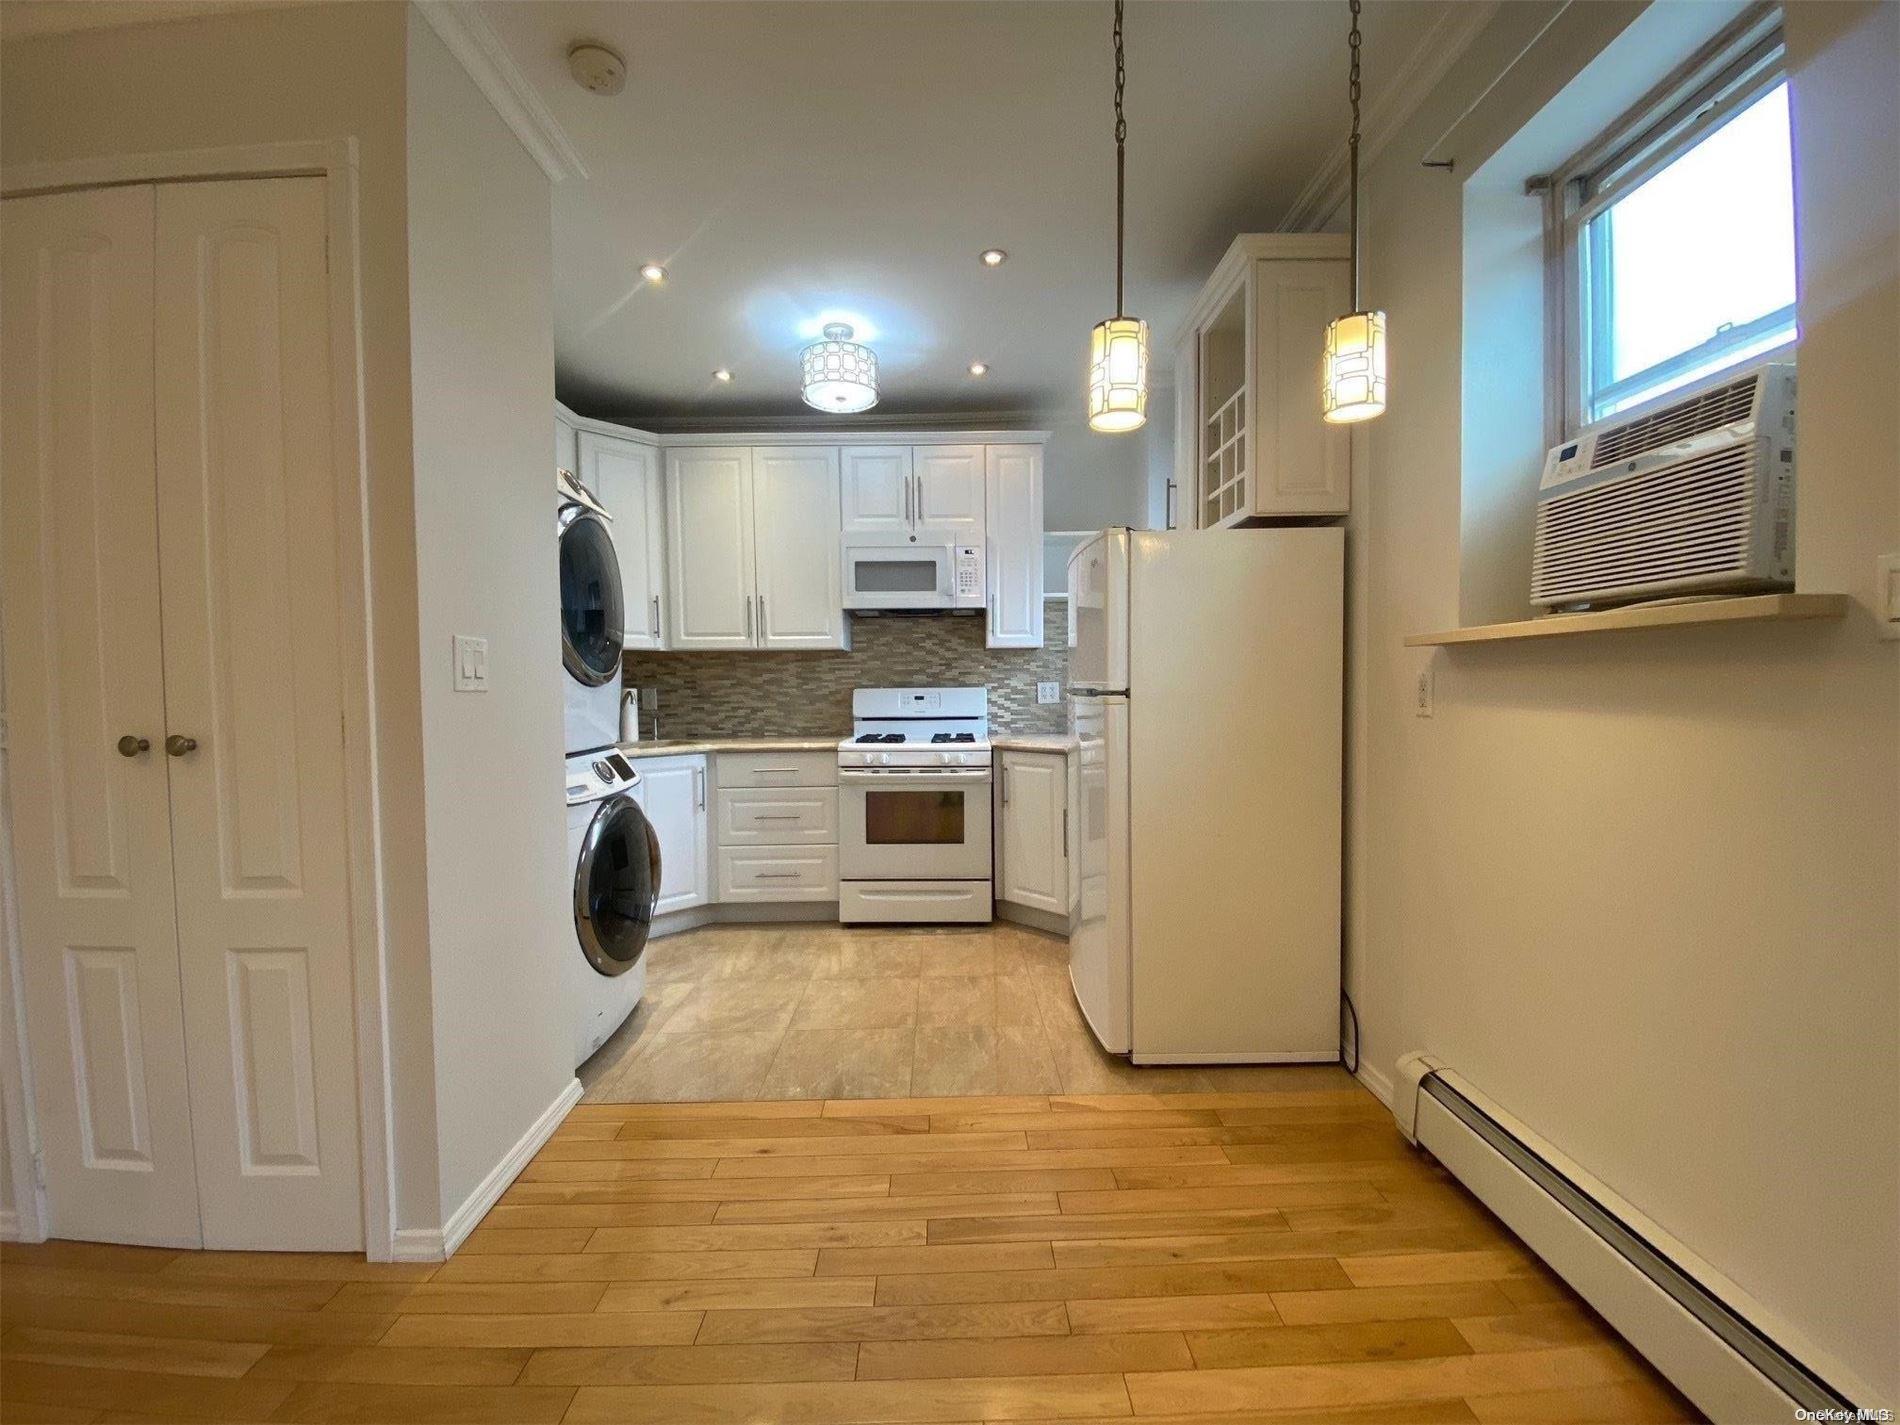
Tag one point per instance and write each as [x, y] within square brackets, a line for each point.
[1205, 673]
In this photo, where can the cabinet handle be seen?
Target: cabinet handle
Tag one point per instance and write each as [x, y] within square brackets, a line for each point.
[130, 746]
[762, 633]
[748, 621]
[1005, 784]
[1167, 508]
[909, 497]
[656, 617]
[1065, 832]
[178, 745]
[779, 875]
[777, 816]
[699, 788]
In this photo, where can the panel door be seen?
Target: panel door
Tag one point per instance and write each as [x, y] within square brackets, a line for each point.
[672, 792]
[1301, 464]
[709, 569]
[1013, 564]
[248, 559]
[949, 483]
[1035, 811]
[99, 949]
[877, 494]
[795, 515]
[625, 476]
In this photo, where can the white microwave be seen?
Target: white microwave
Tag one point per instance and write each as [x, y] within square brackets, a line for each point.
[912, 577]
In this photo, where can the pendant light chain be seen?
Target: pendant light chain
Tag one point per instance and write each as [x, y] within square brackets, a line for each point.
[1121, 154]
[1352, 149]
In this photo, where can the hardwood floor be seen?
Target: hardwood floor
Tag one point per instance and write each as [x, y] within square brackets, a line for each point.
[1213, 1256]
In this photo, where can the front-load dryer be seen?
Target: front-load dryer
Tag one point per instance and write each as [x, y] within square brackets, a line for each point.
[616, 859]
[592, 620]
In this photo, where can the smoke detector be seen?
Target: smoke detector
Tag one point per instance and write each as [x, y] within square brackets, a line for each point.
[596, 68]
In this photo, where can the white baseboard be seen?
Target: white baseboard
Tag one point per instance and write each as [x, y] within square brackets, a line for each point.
[424, 1244]
[1378, 1082]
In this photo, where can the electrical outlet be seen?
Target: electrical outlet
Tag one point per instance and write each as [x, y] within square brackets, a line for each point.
[1048, 692]
[471, 664]
[1422, 693]
[1887, 595]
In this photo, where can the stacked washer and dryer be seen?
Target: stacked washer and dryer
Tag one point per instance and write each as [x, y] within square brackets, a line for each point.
[611, 845]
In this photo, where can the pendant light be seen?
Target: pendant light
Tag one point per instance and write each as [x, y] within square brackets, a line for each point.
[1118, 347]
[840, 374]
[1352, 379]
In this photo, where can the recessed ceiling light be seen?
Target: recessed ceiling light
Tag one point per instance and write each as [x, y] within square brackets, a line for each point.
[979, 368]
[653, 272]
[722, 374]
[994, 257]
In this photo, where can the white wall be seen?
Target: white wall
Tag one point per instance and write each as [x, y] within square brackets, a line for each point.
[1091, 481]
[482, 379]
[1643, 890]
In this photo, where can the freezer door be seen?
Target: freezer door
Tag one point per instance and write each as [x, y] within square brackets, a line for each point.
[1100, 966]
[1098, 614]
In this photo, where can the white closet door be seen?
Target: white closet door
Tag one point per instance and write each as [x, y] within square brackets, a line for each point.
[248, 553]
[99, 950]
[795, 517]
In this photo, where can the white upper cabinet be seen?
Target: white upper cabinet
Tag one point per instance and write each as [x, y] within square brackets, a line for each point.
[709, 539]
[1250, 443]
[566, 448]
[800, 589]
[949, 492]
[879, 497]
[625, 476]
[1013, 559]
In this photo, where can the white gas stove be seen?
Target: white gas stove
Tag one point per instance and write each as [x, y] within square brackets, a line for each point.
[914, 806]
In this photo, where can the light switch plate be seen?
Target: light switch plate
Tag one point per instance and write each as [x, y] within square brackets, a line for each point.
[1048, 692]
[1422, 696]
[471, 664]
[1887, 594]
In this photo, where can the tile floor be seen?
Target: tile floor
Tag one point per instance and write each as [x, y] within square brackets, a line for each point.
[825, 1011]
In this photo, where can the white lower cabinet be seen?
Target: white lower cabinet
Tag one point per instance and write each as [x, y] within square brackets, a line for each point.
[672, 792]
[778, 873]
[1032, 831]
[777, 826]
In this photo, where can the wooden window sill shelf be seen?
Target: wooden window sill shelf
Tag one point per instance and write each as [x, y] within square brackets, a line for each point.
[1754, 608]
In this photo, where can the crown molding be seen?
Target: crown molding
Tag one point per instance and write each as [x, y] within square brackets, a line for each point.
[1449, 37]
[479, 50]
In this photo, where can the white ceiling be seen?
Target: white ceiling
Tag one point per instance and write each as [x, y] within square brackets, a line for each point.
[788, 162]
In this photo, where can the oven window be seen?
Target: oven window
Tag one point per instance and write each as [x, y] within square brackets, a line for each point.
[894, 576]
[927, 818]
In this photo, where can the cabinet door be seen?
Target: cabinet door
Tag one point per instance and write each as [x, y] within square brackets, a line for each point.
[625, 476]
[878, 497]
[1035, 804]
[1301, 464]
[91, 833]
[709, 569]
[1013, 561]
[949, 498]
[566, 445]
[672, 792]
[795, 539]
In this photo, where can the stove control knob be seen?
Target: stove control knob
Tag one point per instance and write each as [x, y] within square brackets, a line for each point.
[884, 757]
[946, 757]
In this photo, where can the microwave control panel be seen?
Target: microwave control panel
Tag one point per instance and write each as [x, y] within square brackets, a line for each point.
[967, 575]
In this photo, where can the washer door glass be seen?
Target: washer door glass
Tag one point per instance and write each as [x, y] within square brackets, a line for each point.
[592, 611]
[616, 885]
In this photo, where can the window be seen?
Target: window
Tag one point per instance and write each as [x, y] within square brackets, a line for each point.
[1676, 232]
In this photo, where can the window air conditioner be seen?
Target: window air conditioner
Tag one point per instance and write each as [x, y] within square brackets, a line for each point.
[1693, 496]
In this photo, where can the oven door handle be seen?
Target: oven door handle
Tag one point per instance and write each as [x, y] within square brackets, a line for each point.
[915, 778]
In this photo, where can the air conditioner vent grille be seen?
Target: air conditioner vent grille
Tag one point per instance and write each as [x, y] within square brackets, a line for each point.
[1711, 410]
[1688, 521]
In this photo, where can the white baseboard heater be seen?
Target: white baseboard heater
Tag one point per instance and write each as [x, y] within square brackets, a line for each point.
[1624, 1267]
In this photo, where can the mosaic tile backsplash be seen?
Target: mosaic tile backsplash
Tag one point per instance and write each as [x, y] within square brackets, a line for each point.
[809, 694]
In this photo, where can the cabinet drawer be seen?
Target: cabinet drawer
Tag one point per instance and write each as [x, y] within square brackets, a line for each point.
[778, 873]
[778, 769]
[769, 816]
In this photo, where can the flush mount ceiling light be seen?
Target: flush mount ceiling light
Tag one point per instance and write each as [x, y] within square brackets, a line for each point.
[1352, 367]
[722, 374]
[979, 368]
[840, 374]
[994, 257]
[653, 272]
[1118, 347]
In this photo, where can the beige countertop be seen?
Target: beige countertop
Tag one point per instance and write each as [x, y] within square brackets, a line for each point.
[683, 746]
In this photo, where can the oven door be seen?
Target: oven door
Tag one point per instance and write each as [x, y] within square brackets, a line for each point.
[898, 576]
[914, 824]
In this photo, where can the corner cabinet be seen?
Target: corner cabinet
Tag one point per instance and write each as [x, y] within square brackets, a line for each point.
[625, 477]
[1032, 831]
[672, 793]
[1249, 440]
[1012, 560]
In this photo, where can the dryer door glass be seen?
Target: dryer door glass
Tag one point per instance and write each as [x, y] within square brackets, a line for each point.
[615, 885]
[592, 612]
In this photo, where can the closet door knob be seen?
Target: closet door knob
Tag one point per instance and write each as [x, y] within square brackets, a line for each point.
[130, 746]
[178, 746]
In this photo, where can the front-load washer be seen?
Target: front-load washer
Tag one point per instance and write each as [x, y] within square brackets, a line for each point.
[616, 859]
[592, 619]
